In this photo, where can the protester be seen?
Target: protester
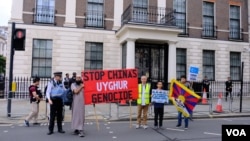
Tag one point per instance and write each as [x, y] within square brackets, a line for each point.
[143, 102]
[35, 97]
[158, 110]
[55, 90]
[66, 80]
[187, 84]
[229, 86]
[205, 85]
[78, 108]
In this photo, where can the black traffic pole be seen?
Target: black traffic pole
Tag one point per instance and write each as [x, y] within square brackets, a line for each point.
[12, 52]
[241, 85]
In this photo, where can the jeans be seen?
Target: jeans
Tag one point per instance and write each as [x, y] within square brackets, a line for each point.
[180, 120]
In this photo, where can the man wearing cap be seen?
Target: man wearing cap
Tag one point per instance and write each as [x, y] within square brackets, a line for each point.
[54, 93]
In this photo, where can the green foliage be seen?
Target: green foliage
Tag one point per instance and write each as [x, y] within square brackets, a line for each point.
[2, 64]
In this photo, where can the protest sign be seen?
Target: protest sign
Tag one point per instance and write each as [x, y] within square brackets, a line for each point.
[104, 86]
[159, 96]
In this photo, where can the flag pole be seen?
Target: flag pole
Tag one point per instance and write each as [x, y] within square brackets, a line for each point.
[97, 123]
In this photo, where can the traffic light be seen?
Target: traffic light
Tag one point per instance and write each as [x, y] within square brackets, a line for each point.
[19, 39]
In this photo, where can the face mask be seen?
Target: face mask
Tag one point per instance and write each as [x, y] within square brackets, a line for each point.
[78, 82]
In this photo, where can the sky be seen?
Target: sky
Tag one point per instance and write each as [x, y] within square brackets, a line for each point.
[5, 12]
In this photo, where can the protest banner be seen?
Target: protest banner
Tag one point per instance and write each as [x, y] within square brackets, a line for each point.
[193, 73]
[159, 96]
[105, 86]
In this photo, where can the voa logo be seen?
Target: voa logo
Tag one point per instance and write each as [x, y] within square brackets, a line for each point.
[236, 132]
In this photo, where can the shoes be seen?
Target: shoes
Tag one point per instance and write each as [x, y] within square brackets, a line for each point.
[145, 126]
[61, 131]
[26, 123]
[50, 132]
[76, 132]
[178, 125]
[156, 127]
[81, 134]
[186, 128]
[137, 126]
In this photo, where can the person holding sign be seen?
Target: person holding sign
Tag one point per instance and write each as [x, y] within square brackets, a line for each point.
[143, 102]
[159, 97]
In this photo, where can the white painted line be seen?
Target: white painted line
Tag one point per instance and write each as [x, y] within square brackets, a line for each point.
[114, 137]
[111, 132]
[208, 133]
[5, 131]
[5, 125]
[174, 129]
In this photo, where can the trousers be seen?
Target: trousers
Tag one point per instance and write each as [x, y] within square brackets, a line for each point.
[56, 111]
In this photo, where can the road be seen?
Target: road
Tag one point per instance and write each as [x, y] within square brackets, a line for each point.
[199, 130]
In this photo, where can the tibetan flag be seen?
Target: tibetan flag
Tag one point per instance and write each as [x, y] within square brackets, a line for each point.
[183, 98]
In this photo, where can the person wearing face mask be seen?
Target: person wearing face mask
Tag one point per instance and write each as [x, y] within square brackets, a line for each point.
[78, 108]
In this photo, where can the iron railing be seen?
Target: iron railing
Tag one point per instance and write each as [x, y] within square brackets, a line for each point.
[22, 87]
[209, 30]
[182, 24]
[44, 14]
[95, 19]
[235, 33]
[150, 15]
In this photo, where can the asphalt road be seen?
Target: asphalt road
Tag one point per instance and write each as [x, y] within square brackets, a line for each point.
[199, 130]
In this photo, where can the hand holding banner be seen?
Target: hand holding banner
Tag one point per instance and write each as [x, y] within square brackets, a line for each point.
[159, 96]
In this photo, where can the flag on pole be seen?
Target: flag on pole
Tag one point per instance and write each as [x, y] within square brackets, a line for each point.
[183, 98]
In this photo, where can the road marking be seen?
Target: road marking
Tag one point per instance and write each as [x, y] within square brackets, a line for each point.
[5, 131]
[111, 132]
[114, 137]
[107, 127]
[208, 133]
[105, 124]
[174, 129]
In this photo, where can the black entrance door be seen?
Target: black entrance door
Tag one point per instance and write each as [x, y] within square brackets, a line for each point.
[151, 60]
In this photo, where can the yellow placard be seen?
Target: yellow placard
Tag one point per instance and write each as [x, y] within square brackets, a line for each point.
[13, 88]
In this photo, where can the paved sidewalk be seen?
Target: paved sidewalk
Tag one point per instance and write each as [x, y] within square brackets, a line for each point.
[113, 112]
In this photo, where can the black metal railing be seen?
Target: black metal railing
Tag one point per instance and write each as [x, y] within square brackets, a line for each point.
[94, 19]
[235, 33]
[149, 15]
[44, 14]
[22, 89]
[209, 30]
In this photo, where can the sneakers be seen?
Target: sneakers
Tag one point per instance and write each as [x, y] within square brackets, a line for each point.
[26, 123]
[81, 134]
[137, 126]
[155, 127]
[186, 128]
[161, 128]
[145, 126]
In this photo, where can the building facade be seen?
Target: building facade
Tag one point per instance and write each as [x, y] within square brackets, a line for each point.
[161, 38]
[3, 40]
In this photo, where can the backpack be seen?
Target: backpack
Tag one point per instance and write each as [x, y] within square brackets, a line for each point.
[68, 97]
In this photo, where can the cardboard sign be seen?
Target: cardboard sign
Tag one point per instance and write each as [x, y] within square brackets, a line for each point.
[104, 86]
[159, 96]
[193, 73]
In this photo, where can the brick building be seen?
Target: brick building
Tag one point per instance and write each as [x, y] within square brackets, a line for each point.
[161, 38]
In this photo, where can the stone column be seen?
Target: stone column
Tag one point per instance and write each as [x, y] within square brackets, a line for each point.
[172, 60]
[130, 58]
[17, 11]
[70, 17]
[118, 10]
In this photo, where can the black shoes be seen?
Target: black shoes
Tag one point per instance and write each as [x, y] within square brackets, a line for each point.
[50, 132]
[61, 131]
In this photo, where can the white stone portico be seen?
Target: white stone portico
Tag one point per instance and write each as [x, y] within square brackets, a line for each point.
[130, 33]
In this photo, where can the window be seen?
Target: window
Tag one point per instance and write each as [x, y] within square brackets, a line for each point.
[235, 65]
[124, 55]
[42, 58]
[93, 56]
[45, 11]
[208, 20]
[140, 11]
[209, 64]
[181, 63]
[180, 14]
[234, 22]
[95, 15]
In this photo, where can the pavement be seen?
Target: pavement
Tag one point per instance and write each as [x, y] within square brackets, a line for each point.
[116, 112]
